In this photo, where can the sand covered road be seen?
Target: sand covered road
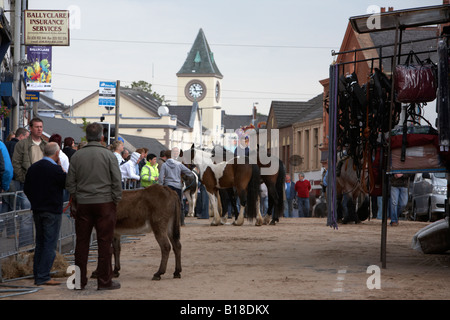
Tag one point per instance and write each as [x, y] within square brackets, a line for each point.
[298, 259]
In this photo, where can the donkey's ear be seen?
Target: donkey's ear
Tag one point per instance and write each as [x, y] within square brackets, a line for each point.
[193, 146]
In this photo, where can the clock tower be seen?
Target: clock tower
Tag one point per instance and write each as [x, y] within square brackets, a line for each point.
[200, 80]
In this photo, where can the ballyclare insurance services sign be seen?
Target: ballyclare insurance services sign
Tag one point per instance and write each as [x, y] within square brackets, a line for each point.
[47, 27]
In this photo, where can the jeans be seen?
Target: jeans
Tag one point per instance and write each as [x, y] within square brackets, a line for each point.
[379, 207]
[202, 205]
[288, 208]
[399, 199]
[47, 226]
[303, 207]
[264, 205]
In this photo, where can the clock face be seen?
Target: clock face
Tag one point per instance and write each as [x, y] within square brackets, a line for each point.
[195, 90]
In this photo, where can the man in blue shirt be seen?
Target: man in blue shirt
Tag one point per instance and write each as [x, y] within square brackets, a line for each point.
[290, 195]
[44, 184]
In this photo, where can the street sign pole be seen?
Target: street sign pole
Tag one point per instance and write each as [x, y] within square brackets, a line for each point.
[117, 110]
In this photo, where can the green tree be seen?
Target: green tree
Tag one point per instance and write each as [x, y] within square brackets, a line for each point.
[85, 124]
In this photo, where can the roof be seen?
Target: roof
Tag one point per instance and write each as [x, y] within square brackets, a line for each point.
[287, 113]
[233, 122]
[153, 145]
[47, 103]
[200, 59]
[185, 114]
[63, 127]
[140, 98]
[67, 129]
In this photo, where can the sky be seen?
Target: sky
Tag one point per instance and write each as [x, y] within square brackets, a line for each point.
[267, 50]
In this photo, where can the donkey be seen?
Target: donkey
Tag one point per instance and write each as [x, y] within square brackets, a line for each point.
[156, 208]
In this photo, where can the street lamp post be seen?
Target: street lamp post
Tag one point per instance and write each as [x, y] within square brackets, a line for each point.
[254, 112]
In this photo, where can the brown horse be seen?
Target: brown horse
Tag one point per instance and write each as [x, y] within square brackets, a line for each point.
[155, 208]
[351, 192]
[245, 178]
[274, 182]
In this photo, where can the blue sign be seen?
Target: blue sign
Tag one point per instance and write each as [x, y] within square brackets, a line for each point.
[32, 96]
[107, 95]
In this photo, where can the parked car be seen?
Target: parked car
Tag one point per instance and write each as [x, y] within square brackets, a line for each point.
[428, 195]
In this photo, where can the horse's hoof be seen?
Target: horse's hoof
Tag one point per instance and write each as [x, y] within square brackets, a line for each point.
[156, 277]
[177, 276]
[272, 223]
[94, 274]
[116, 274]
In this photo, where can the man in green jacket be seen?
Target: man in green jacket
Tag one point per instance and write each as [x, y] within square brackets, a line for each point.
[150, 172]
[26, 152]
[94, 183]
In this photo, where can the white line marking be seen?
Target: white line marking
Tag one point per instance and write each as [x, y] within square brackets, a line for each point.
[340, 280]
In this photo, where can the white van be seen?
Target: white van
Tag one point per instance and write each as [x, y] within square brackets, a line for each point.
[428, 196]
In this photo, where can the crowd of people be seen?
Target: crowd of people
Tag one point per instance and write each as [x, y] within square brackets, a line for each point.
[91, 176]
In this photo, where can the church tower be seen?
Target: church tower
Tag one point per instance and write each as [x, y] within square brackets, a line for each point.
[199, 80]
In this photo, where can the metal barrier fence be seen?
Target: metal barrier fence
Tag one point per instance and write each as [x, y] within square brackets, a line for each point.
[17, 228]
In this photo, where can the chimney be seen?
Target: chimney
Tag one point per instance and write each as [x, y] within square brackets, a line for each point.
[382, 9]
[391, 9]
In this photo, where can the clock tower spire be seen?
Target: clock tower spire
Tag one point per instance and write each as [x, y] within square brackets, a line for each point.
[199, 79]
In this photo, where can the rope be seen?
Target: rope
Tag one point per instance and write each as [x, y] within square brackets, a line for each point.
[68, 205]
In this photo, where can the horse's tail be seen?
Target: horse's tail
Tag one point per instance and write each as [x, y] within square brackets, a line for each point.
[279, 185]
[253, 189]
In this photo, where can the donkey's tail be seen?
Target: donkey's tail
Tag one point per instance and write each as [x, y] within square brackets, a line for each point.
[253, 189]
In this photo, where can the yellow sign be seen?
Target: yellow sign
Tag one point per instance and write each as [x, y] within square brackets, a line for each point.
[47, 27]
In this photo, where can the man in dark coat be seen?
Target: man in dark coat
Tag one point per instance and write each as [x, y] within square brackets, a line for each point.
[44, 184]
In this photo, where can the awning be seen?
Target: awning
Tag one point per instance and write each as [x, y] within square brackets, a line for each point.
[403, 18]
[5, 34]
